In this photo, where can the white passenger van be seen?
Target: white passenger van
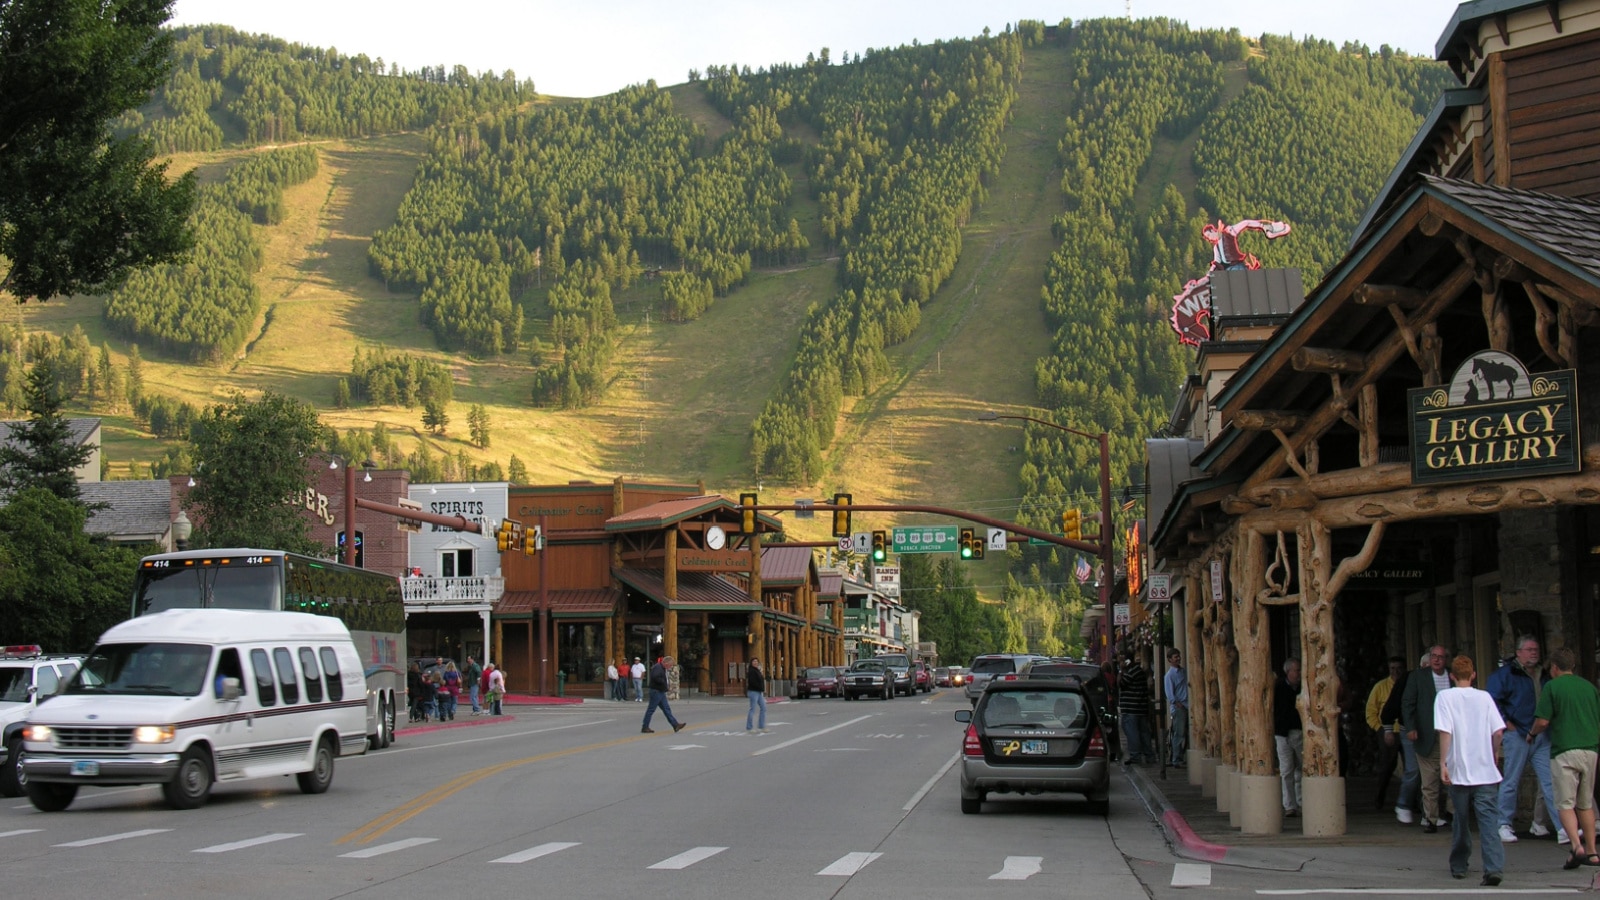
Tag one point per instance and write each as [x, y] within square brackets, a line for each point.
[188, 697]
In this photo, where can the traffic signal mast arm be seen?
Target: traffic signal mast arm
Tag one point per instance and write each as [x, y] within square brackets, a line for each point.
[1094, 547]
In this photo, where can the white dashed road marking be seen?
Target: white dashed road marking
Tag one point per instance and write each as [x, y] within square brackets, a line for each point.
[390, 847]
[1018, 868]
[850, 863]
[252, 842]
[6, 834]
[90, 842]
[536, 852]
[688, 858]
[1191, 875]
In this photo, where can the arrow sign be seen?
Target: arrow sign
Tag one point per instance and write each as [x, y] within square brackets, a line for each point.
[997, 539]
[862, 541]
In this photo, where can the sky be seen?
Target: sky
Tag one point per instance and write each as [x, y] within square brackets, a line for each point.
[586, 48]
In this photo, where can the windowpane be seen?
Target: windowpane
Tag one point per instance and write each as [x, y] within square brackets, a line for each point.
[330, 671]
[286, 679]
[308, 664]
[264, 683]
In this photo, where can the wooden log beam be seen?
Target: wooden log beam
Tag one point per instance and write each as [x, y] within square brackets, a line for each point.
[1375, 479]
[1268, 420]
[1379, 360]
[1327, 359]
[1439, 501]
[1388, 295]
[1367, 426]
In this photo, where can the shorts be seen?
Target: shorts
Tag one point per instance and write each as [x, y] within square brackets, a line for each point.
[1572, 777]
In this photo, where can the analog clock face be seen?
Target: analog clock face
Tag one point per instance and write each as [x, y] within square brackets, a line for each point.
[715, 538]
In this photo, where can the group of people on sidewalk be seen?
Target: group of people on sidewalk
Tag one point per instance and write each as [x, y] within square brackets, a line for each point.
[1469, 746]
[620, 674]
[1128, 691]
[435, 693]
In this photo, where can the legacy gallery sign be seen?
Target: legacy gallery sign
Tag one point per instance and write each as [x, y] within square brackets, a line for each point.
[1494, 420]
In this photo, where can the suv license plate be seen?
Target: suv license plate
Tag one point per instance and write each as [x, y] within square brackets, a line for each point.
[1035, 748]
[85, 767]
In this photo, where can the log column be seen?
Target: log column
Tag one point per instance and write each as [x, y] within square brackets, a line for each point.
[1321, 786]
[1207, 727]
[1227, 668]
[1193, 604]
[1259, 808]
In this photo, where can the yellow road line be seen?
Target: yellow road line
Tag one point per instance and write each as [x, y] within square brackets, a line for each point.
[383, 824]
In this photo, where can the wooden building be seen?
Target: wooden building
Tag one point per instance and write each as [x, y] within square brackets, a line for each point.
[1410, 457]
[645, 570]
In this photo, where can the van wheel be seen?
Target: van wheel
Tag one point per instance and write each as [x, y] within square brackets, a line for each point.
[52, 797]
[12, 781]
[190, 788]
[321, 775]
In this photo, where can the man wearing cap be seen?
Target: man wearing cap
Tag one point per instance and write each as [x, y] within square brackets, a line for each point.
[637, 674]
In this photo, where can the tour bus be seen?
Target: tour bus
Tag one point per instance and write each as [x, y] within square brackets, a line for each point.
[190, 697]
[368, 603]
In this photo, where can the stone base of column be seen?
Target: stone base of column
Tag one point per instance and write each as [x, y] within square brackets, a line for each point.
[1191, 761]
[1260, 804]
[1323, 815]
[1207, 767]
[1224, 794]
[1235, 815]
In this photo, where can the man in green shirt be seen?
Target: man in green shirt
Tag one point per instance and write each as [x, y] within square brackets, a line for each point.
[1570, 707]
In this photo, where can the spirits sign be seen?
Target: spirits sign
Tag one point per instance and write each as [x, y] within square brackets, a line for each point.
[1493, 420]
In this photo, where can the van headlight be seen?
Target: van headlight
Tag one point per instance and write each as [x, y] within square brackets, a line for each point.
[153, 734]
[38, 733]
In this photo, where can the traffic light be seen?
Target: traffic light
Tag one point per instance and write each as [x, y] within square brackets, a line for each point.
[841, 517]
[509, 536]
[747, 513]
[880, 546]
[966, 543]
[1072, 525]
[979, 544]
[533, 545]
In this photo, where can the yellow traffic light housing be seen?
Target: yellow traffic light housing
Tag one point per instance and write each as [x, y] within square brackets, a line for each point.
[502, 540]
[880, 546]
[841, 517]
[979, 545]
[965, 543]
[1072, 525]
[534, 543]
[747, 513]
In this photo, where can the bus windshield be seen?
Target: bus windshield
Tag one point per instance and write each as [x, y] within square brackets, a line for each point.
[252, 587]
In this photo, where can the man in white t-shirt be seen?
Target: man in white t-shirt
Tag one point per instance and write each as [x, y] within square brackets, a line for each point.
[636, 673]
[1469, 727]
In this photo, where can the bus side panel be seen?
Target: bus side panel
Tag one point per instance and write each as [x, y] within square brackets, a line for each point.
[383, 657]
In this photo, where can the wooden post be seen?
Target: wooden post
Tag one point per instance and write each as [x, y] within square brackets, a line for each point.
[1318, 703]
[1193, 609]
[1257, 752]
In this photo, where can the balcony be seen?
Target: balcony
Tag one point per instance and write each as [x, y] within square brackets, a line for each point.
[475, 590]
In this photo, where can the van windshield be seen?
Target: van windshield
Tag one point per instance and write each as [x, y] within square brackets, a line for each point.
[167, 670]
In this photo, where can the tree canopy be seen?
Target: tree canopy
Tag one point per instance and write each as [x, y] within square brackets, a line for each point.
[251, 458]
[79, 206]
[41, 452]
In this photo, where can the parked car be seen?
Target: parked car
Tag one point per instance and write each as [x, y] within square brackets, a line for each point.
[993, 665]
[941, 676]
[868, 678]
[922, 677]
[820, 680]
[900, 671]
[28, 676]
[1055, 668]
[1034, 737]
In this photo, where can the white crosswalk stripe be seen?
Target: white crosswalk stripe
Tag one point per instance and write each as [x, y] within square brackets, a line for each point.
[688, 858]
[250, 842]
[1018, 868]
[90, 842]
[536, 852]
[850, 863]
[6, 834]
[390, 847]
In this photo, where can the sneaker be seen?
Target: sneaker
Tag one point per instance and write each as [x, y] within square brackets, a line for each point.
[1507, 836]
[1403, 815]
[1561, 837]
[1539, 830]
[1441, 822]
[1291, 813]
[647, 731]
[679, 727]
[1490, 879]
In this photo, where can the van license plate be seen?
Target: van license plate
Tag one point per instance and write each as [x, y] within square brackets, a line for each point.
[85, 767]
[1035, 748]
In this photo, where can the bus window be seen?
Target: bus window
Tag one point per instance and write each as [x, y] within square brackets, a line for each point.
[330, 671]
[286, 679]
[308, 665]
[264, 684]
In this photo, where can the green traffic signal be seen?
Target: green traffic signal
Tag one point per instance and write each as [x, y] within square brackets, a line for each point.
[880, 546]
[966, 543]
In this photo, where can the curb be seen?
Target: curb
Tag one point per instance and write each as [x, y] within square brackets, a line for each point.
[446, 726]
[1185, 843]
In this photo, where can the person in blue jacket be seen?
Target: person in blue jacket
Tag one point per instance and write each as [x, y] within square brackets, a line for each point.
[1515, 687]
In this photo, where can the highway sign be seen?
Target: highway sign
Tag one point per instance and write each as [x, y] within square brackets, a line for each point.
[997, 539]
[925, 539]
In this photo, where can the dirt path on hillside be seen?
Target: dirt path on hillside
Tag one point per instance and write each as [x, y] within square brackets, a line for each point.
[917, 438]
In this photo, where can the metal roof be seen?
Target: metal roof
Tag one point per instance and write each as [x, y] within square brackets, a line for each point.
[1255, 293]
[587, 603]
[669, 512]
[831, 584]
[1168, 465]
[696, 590]
[782, 565]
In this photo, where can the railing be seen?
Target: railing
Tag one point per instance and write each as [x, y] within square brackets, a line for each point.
[472, 589]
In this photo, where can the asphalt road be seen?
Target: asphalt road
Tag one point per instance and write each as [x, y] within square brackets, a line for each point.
[849, 800]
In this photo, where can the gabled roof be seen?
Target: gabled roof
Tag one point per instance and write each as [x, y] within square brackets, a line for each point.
[696, 590]
[1460, 38]
[830, 585]
[566, 604]
[81, 430]
[786, 565]
[669, 512]
[134, 510]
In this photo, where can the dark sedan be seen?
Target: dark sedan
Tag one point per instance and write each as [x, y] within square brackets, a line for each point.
[1033, 737]
[868, 678]
[820, 680]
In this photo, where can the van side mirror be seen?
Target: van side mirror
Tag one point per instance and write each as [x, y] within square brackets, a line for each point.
[228, 688]
[963, 715]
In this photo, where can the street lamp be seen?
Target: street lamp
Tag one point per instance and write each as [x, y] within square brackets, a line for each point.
[182, 528]
[1105, 494]
[334, 460]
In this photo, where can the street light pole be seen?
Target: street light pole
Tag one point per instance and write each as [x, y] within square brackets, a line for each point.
[335, 460]
[1106, 542]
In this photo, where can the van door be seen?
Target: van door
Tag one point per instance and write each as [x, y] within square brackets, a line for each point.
[232, 730]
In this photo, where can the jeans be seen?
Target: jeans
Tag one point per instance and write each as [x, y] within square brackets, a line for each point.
[1484, 801]
[1178, 736]
[619, 689]
[758, 700]
[1290, 751]
[1411, 780]
[1518, 752]
[1137, 741]
[473, 692]
[1388, 754]
[447, 706]
[638, 688]
[658, 698]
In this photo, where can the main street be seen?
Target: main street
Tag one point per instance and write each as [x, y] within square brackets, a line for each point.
[838, 800]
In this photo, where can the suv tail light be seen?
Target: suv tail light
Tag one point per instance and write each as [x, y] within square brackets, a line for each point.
[1097, 745]
[971, 746]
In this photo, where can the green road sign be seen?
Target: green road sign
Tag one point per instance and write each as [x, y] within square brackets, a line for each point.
[926, 539]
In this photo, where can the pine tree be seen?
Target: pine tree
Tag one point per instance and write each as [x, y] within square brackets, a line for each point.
[41, 452]
[478, 424]
[434, 417]
[517, 472]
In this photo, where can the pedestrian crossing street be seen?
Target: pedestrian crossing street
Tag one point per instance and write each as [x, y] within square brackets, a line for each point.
[1011, 868]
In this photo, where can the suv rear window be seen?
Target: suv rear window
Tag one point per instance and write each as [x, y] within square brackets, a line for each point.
[994, 665]
[1060, 709]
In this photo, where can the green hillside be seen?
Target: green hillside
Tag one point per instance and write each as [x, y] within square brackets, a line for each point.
[812, 278]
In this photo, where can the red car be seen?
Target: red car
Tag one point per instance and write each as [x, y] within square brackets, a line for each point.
[921, 677]
[820, 680]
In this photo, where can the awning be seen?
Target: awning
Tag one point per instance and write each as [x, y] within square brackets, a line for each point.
[568, 604]
[696, 590]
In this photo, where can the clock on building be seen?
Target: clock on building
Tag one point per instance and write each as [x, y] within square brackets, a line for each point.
[715, 538]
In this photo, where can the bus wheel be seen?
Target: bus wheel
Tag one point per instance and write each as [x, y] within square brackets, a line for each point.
[190, 788]
[321, 775]
[375, 740]
[390, 718]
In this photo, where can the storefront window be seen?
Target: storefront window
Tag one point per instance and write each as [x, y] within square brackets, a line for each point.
[582, 649]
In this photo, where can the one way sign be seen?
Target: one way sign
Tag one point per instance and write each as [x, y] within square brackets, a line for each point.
[997, 539]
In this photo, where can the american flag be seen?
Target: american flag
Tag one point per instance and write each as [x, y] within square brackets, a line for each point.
[1082, 570]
